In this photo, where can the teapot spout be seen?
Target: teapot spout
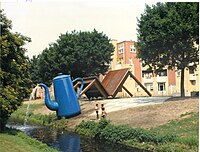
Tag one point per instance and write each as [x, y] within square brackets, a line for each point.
[48, 102]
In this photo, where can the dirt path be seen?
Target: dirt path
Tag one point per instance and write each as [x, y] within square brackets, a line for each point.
[145, 115]
[148, 116]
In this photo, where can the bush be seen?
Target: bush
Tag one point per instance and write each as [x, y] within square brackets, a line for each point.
[86, 125]
[117, 134]
[18, 117]
[99, 127]
[86, 128]
[60, 124]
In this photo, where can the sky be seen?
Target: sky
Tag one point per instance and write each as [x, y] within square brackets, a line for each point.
[44, 20]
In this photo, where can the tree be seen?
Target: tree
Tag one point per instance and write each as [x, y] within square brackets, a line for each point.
[15, 81]
[166, 36]
[34, 70]
[78, 54]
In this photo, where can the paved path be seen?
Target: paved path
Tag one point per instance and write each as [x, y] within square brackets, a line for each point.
[125, 103]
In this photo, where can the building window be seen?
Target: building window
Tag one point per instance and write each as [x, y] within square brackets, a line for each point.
[161, 86]
[132, 48]
[147, 74]
[191, 70]
[121, 49]
[151, 87]
[161, 73]
[193, 82]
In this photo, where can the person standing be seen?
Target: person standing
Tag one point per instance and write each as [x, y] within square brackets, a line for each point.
[97, 111]
[103, 112]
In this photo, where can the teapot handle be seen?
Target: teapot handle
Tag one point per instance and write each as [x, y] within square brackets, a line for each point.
[82, 84]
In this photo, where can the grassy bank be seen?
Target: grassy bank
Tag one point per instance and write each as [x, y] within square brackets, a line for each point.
[186, 129]
[18, 116]
[180, 135]
[15, 141]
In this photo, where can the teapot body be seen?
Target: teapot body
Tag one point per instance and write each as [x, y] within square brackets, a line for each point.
[65, 96]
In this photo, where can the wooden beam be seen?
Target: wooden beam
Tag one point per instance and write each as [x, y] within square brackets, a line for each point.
[88, 86]
[138, 82]
[120, 85]
[127, 91]
[105, 95]
[76, 85]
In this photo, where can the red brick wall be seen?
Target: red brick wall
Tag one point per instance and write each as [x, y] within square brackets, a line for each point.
[127, 55]
[171, 77]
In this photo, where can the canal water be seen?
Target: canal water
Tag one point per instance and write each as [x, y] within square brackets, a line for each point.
[70, 142]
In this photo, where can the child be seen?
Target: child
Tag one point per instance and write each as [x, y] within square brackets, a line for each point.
[103, 113]
[97, 110]
[102, 107]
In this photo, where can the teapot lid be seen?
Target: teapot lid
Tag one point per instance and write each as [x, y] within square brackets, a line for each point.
[61, 76]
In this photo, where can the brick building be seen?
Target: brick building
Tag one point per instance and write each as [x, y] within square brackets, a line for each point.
[164, 83]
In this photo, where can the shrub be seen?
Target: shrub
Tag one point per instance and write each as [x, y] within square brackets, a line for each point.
[86, 128]
[87, 125]
[117, 134]
[60, 124]
[99, 127]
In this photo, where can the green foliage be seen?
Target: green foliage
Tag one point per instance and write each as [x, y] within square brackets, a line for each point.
[14, 141]
[166, 36]
[77, 54]
[51, 120]
[85, 128]
[98, 129]
[34, 142]
[38, 119]
[14, 74]
[179, 135]
[18, 116]
[34, 70]
[60, 124]
[190, 141]
[105, 130]
[171, 147]
[186, 130]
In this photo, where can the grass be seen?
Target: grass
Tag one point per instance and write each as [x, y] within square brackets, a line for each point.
[186, 129]
[18, 116]
[176, 136]
[20, 142]
[13, 140]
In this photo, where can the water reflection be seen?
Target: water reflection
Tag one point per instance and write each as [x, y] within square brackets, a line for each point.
[70, 142]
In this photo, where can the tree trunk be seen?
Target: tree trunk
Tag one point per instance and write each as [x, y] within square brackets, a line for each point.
[2, 126]
[182, 83]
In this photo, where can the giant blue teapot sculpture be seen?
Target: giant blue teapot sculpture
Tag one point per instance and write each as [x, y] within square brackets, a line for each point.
[66, 100]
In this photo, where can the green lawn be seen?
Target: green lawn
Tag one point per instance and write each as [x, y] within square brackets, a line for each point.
[179, 135]
[18, 116]
[186, 130]
[19, 142]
